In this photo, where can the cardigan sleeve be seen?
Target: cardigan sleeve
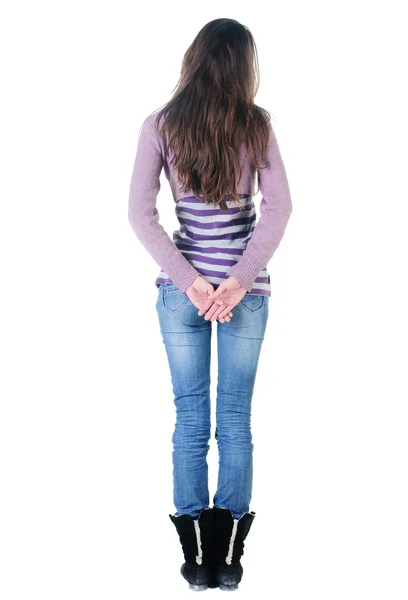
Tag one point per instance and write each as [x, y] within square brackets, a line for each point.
[143, 214]
[275, 210]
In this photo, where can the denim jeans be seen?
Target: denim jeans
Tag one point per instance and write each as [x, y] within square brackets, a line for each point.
[187, 340]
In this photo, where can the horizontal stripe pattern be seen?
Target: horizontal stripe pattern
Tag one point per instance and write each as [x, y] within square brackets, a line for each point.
[213, 240]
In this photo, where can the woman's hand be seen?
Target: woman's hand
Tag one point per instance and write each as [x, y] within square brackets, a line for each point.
[199, 291]
[226, 296]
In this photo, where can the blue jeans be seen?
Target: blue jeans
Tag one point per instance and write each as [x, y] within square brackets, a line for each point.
[187, 340]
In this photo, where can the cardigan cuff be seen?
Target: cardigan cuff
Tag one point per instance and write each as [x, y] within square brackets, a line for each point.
[246, 270]
[181, 271]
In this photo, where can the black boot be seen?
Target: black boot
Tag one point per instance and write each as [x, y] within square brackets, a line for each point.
[196, 540]
[228, 546]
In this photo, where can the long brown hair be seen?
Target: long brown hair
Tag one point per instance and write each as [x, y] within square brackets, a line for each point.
[212, 111]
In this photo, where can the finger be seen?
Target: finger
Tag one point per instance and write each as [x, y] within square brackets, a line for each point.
[211, 311]
[226, 318]
[217, 312]
[226, 311]
[220, 290]
[207, 304]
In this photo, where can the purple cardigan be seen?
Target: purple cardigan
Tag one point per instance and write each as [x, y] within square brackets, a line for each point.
[152, 156]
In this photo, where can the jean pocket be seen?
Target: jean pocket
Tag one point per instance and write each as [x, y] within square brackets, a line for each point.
[173, 299]
[252, 302]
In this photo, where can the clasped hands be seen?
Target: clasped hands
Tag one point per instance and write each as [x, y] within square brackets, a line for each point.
[215, 304]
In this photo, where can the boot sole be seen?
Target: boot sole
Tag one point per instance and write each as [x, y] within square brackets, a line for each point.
[228, 588]
[197, 588]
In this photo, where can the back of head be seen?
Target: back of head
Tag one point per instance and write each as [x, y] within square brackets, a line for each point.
[212, 112]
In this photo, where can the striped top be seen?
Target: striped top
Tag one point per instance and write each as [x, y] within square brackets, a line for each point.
[213, 240]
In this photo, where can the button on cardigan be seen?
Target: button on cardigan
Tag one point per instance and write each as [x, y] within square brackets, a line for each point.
[152, 155]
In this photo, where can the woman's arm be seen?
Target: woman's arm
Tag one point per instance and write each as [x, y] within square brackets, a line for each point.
[144, 216]
[275, 210]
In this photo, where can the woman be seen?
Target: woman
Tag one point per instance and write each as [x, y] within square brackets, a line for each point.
[211, 139]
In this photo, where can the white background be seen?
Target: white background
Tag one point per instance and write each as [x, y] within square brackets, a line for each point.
[86, 402]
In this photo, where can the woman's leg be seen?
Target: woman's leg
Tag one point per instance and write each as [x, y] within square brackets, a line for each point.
[187, 339]
[239, 345]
